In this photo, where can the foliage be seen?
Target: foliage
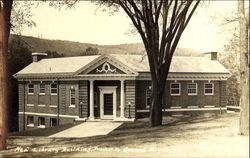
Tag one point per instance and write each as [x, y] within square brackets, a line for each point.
[53, 54]
[90, 51]
[19, 57]
[21, 15]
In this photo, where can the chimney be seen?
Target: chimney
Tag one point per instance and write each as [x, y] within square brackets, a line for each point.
[38, 56]
[211, 55]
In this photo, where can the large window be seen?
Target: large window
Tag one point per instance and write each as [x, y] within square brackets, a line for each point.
[72, 97]
[148, 96]
[192, 88]
[208, 88]
[30, 88]
[53, 122]
[42, 89]
[41, 122]
[53, 89]
[30, 121]
[175, 89]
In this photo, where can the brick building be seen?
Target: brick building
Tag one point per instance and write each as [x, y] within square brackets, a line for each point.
[117, 87]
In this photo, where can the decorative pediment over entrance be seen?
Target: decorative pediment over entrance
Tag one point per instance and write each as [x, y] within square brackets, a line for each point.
[106, 65]
[106, 68]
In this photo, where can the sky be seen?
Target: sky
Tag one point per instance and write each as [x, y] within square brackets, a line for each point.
[85, 23]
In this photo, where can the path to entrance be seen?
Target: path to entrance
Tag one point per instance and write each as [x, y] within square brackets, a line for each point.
[88, 129]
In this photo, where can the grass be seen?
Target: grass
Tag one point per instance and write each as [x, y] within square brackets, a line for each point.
[207, 135]
[43, 131]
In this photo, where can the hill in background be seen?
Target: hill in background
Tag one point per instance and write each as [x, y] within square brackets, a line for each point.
[69, 48]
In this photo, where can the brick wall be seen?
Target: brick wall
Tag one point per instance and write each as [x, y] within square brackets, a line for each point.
[84, 98]
[21, 103]
[130, 97]
[184, 100]
[224, 94]
[47, 104]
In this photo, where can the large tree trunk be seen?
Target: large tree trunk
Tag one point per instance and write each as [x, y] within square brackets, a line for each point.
[156, 103]
[244, 70]
[5, 12]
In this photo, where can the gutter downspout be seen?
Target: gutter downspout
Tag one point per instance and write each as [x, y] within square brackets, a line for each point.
[58, 101]
[24, 104]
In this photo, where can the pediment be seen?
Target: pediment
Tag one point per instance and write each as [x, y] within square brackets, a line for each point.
[106, 68]
[106, 65]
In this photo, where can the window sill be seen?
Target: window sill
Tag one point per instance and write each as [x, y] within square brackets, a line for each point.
[52, 94]
[53, 106]
[30, 93]
[72, 106]
[41, 126]
[175, 107]
[208, 94]
[30, 105]
[175, 95]
[41, 105]
[41, 93]
[30, 125]
[192, 94]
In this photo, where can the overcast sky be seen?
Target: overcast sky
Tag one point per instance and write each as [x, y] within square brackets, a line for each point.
[86, 24]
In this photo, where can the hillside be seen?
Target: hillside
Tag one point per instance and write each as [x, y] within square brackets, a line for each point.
[69, 48]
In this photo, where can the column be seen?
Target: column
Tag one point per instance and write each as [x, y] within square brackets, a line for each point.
[91, 99]
[122, 99]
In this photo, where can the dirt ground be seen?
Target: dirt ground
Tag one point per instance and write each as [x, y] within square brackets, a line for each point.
[207, 135]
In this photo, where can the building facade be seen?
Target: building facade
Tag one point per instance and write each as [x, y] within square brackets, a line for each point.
[57, 91]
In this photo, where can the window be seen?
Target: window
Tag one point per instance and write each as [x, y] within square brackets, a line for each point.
[30, 88]
[53, 89]
[41, 122]
[208, 88]
[72, 97]
[175, 89]
[30, 121]
[192, 88]
[148, 96]
[42, 89]
[53, 122]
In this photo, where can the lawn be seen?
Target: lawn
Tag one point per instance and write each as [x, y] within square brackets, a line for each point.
[207, 135]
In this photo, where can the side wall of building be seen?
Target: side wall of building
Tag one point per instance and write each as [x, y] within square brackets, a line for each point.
[47, 105]
[184, 100]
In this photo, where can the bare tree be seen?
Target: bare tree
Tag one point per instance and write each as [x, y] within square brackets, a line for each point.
[160, 24]
[244, 69]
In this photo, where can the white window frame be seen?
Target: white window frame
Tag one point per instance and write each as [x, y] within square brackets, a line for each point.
[54, 88]
[42, 88]
[208, 88]
[175, 88]
[39, 122]
[196, 89]
[70, 97]
[31, 88]
[50, 122]
[148, 89]
[28, 121]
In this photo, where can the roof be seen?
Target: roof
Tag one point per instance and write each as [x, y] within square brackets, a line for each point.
[138, 63]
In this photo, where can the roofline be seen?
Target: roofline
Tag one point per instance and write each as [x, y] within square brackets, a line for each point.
[100, 58]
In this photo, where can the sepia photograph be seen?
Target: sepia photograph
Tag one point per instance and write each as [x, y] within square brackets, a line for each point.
[124, 78]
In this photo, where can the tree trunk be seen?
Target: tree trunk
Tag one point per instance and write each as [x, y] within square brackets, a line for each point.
[5, 12]
[156, 104]
[3, 88]
[244, 70]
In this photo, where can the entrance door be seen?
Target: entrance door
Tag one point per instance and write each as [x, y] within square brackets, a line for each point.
[107, 102]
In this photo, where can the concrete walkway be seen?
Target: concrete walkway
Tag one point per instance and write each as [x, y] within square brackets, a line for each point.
[88, 129]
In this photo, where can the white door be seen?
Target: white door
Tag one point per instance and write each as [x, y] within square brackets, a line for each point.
[108, 102]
